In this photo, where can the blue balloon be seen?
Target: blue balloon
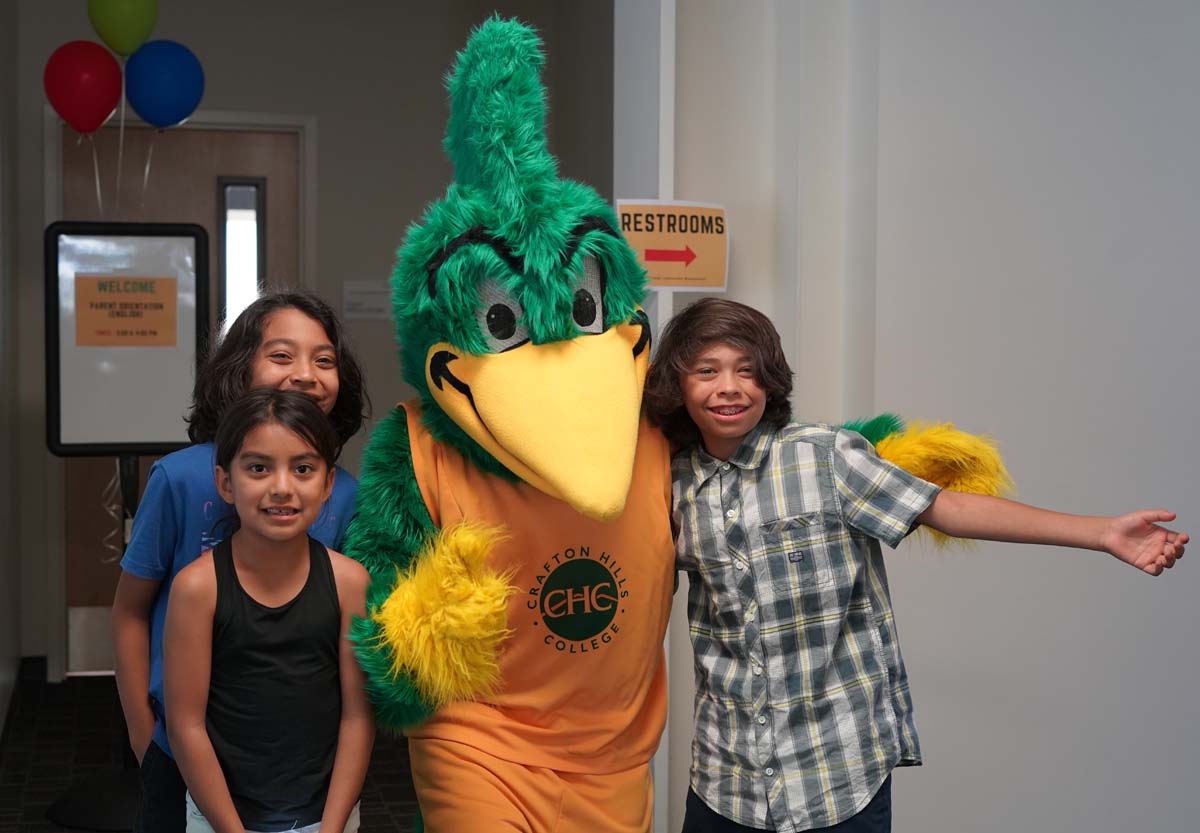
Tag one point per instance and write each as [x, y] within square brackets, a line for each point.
[163, 82]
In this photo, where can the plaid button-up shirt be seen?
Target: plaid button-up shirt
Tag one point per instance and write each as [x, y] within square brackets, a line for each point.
[802, 700]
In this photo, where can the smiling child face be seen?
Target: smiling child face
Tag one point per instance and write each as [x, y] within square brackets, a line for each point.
[277, 483]
[723, 397]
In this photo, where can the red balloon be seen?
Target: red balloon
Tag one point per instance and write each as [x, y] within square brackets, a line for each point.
[83, 83]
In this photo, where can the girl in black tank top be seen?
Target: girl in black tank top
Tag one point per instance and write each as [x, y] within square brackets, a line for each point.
[268, 714]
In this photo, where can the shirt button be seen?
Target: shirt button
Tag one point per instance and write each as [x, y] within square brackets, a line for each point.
[737, 565]
[761, 721]
[731, 513]
[750, 616]
[769, 771]
[725, 467]
[757, 671]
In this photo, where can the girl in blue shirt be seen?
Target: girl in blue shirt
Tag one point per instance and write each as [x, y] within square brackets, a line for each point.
[287, 340]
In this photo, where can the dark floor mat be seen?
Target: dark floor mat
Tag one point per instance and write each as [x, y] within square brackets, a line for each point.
[65, 743]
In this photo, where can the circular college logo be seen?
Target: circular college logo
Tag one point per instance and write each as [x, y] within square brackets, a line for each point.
[579, 600]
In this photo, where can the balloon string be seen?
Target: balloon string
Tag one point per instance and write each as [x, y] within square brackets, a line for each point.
[146, 172]
[121, 140]
[110, 499]
[96, 168]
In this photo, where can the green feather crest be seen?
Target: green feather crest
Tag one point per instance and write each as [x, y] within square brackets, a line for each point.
[496, 137]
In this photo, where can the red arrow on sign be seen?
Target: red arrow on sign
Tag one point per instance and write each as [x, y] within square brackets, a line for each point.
[686, 255]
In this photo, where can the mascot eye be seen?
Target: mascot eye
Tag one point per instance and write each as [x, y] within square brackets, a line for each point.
[584, 310]
[498, 315]
[588, 309]
[501, 322]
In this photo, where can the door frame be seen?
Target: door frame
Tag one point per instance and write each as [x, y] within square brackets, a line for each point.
[305, 127]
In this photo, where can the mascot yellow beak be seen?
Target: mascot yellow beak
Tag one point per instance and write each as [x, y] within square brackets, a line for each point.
[561, 416]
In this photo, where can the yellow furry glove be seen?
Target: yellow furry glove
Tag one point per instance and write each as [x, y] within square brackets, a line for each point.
[447, 616]
[951, 458]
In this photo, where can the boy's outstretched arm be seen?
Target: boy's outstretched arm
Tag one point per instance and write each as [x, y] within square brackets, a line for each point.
[1135, 538]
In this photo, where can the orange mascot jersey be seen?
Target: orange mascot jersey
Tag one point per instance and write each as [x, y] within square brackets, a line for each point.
[583, 682]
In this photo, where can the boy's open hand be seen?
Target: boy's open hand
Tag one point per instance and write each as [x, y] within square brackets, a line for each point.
[1137, 539]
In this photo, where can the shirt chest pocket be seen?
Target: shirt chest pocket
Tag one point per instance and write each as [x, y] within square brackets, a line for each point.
[797, 552]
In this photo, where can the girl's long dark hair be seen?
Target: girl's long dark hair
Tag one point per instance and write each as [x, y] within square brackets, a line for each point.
[225, 374]
[298, 412]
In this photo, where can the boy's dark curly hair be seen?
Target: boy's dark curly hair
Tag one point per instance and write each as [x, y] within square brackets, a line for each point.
[702, 323]
[225, 374]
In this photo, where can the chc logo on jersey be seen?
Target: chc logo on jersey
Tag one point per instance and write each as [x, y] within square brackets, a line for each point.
[579, 598]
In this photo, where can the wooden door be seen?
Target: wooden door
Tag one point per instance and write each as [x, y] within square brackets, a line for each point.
[181, 186]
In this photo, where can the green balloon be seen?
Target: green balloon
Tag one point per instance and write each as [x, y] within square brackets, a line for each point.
[123, 24]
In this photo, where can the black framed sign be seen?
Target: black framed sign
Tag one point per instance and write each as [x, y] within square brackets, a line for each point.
[126, 318]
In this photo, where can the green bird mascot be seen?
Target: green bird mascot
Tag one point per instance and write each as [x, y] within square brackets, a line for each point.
[515, 516]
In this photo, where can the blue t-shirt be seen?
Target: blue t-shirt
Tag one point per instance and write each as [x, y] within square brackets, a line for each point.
[180, 516]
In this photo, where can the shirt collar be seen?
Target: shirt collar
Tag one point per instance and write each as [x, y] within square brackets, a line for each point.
[749, 455]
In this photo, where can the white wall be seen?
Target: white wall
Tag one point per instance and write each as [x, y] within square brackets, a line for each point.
[635, 98]
[987, 213]
[372, 75]
[644, 168]
[1039, 189]
[10, 577]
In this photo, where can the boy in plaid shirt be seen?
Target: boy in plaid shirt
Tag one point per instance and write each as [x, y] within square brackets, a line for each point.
[802, 700]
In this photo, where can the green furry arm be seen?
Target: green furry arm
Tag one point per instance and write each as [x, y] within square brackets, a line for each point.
[390, 523]
[940, 454]
[390, 526]
[876, 428]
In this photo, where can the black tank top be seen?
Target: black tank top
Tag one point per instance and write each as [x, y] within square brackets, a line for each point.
[274, 701]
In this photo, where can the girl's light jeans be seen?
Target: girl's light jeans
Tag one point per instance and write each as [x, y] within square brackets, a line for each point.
[196, 823]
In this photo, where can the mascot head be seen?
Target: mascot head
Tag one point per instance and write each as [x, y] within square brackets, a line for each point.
[517, 301]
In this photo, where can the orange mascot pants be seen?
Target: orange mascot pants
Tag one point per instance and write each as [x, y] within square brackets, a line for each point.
[462, 788]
